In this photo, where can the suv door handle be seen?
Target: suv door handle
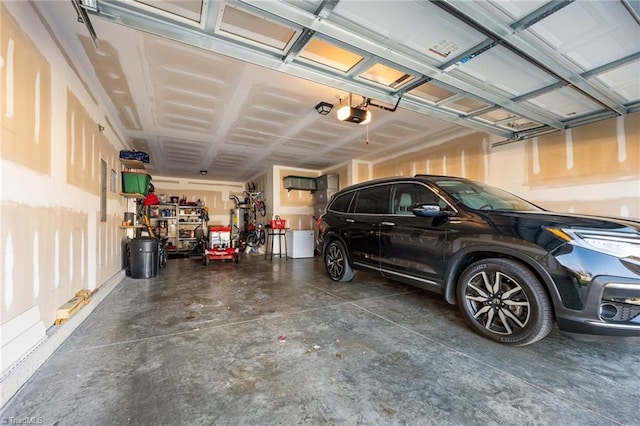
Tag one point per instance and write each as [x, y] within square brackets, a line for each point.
[388, 224]
[349, 220]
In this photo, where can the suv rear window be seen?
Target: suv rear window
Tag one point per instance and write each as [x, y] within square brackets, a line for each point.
[341, 203]
[373, 200]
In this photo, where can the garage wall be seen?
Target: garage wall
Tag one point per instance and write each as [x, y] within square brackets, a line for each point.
[295, 206]
[463, 156]
[344, 174]
[593, 169]
[214, 194]
[55, 241]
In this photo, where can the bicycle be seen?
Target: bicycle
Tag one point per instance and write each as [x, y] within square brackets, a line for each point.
[256, 235]
[257, 203]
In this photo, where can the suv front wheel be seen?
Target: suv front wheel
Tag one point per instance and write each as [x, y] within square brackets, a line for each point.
[337, 263]
[503, 300]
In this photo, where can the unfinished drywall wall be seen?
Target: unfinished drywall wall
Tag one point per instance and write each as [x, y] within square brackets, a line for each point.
[53, 237]
[364, 172]
[295, 206]
[294, 197]
[214, 194]
[45, 257]
[594, 169]
[598, 152]
[462, 156]
[26, 99]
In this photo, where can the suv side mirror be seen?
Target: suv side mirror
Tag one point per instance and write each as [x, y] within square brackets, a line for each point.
[428, 210]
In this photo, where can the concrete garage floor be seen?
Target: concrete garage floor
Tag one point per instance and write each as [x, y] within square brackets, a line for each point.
[276, 342]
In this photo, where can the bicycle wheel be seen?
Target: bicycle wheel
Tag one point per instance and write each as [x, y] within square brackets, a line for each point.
[262, 208]
[263, 237]
[253, 239]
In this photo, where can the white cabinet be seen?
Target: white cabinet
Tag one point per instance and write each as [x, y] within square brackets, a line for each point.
[300, 244]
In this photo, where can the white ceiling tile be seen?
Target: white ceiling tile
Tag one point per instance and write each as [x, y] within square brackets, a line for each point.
[590, 33]
[565, 102]
[403, 22]
[623, 81]
[513, 9]
[502, 69]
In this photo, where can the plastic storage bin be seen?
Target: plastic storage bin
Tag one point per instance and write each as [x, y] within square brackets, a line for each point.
[135, 182]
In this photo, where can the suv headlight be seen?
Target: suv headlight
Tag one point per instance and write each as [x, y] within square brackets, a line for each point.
[612, 243]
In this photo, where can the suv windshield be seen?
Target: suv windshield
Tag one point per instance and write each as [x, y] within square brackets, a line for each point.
[478, 196]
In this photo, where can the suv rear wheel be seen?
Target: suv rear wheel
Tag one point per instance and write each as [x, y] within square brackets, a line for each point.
[504, 301]
[337, 263]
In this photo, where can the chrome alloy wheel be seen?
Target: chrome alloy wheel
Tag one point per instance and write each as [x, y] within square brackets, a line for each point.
[497, 302]
[337, 263]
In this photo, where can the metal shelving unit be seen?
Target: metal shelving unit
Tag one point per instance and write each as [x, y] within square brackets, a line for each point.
[188, 223]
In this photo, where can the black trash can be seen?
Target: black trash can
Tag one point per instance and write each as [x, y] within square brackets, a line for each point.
[143, 257]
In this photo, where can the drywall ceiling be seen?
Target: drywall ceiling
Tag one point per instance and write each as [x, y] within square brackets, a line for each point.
[230, 86]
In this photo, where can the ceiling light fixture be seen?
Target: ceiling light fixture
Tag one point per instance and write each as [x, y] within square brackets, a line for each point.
[357, 115]
[324, 108]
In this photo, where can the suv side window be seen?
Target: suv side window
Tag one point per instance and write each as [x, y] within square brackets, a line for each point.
[342, 202]
[373, 200]
[407, 195]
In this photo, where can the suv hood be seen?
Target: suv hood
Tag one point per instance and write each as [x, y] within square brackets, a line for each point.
[569, 220]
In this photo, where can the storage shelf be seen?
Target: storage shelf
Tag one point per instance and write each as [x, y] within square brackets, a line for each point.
[132, 226]
[301, 183]
[132, 195]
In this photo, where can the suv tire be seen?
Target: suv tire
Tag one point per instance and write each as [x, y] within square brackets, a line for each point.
[504, 301]
[337, 262]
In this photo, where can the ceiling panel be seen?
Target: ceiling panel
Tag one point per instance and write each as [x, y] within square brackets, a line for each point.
[247, 27]
[590, 33]
[403, 23]
[623, 81]
[327, 54]
[189, 9]
[565, 102]
[511, 11]
[507, 72]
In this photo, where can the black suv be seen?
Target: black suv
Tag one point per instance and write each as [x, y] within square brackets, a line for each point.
[511, 266]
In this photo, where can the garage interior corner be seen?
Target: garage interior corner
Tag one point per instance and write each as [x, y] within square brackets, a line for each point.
[276, 341]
